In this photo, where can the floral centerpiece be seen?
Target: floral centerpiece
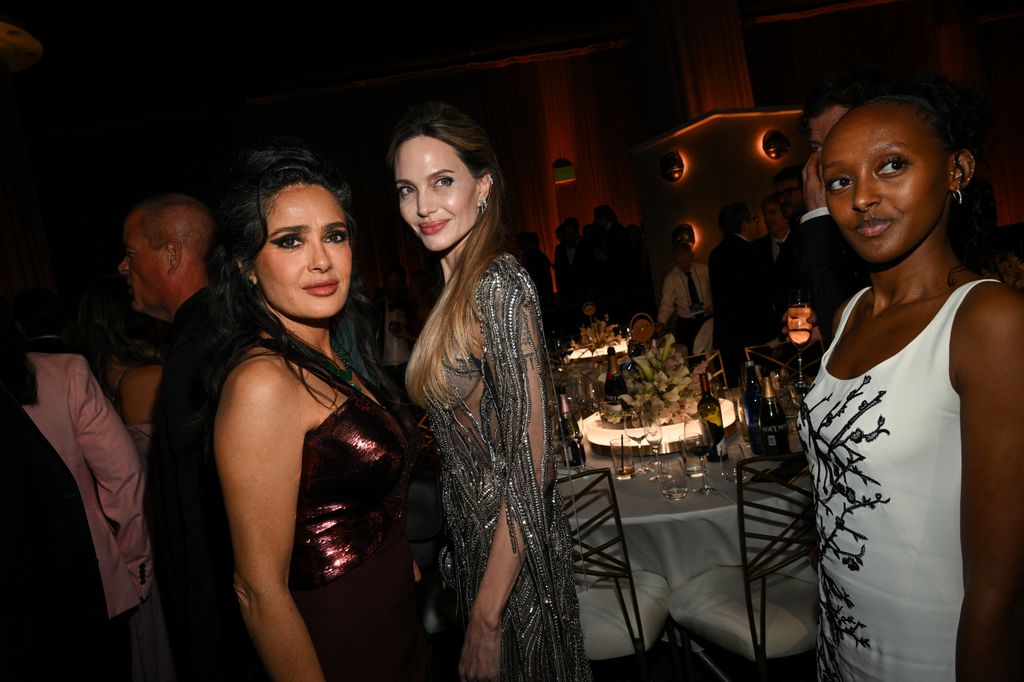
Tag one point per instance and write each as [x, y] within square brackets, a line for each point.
[660, 377]
[597, 335]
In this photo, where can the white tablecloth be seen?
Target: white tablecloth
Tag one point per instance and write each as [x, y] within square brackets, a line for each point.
[679, 539]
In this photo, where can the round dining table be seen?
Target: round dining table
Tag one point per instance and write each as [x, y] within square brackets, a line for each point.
[680, 539]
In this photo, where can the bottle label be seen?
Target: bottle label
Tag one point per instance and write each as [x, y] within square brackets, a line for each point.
[776, 439]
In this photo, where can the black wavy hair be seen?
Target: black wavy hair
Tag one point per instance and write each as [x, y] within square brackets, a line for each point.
[237, 320]
[960, 119]
[846, 90]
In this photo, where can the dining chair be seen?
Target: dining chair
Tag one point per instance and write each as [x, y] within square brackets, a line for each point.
[782, 356]
[622, 612]
[767, 607]
[712, 361]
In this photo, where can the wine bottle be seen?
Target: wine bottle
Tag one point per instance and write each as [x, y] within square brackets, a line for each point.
[753, 405]
[774, 427]
[571, 433]
[614, 384]
[711, 412]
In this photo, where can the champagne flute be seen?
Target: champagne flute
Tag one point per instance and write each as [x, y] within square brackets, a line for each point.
[798, 323]
[696, 443]
[652, 430]
[633, 425]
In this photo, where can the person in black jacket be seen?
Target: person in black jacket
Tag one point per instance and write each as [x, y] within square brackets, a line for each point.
[829, 269]
[743, 311]
[166, 238]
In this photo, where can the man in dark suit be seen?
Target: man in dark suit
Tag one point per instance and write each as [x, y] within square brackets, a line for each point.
[574, 260]
[777, 250]
[829, 269]
[743, 312]
[166, 238]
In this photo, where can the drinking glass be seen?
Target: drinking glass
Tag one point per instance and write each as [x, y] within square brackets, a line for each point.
[696, 442]
[633, 426]
[798, 323]
[576, 436]
[652, 430]
[674, 485]
[622, 460]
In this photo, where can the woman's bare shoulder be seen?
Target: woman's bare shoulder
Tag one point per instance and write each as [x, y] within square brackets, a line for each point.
[261, 379]
[993, 305]
[988, 328]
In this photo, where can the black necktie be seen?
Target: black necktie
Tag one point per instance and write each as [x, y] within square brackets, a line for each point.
[694, 296]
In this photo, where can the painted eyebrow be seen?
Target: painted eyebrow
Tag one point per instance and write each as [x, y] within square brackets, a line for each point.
[302, 229]
[289, 229]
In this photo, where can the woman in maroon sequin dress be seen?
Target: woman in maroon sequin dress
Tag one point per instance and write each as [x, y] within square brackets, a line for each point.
[314, 468]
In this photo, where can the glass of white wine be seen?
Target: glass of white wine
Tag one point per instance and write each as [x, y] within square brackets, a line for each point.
[633, 426]
[652, 430]
[799, 325]
[696, 443]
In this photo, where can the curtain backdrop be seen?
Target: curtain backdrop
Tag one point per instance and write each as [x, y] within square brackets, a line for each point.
[589, 105]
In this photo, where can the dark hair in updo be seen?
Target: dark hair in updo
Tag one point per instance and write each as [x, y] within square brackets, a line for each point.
[960, 119]
[238, 318]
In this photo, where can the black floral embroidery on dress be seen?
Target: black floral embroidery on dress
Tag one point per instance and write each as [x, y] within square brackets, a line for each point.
[842, 489]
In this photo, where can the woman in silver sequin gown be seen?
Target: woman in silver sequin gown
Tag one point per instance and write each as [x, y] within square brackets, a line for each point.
[479, 367]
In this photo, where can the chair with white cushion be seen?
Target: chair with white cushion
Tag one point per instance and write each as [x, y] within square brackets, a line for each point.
[622, 612]
[768, 606]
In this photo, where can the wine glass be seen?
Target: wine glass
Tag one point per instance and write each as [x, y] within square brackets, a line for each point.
[696, 443]
[652, 430]
[799, 325]
[633, 425]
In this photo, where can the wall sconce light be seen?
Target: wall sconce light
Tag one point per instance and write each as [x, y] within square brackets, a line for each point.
[683, 233]
[564, 171]
[672, 166]
[775, 144]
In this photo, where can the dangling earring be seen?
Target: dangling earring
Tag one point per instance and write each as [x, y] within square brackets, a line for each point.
[959, 196]
[483, 205]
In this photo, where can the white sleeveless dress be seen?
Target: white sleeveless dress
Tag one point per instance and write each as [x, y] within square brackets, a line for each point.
[884, 453]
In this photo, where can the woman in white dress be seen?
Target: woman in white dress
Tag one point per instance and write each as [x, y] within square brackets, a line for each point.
[913, 426]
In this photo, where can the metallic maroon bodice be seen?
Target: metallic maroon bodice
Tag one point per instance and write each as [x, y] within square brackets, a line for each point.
[355, 473]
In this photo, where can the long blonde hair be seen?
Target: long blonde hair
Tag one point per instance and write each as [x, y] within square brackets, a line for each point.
[449, 332]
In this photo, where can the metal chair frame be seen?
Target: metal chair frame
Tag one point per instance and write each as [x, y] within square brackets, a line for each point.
[763, 354]
[759, 481]
[590, 505]
[714, 364]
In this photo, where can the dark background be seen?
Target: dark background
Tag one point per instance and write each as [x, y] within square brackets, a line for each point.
[153, 97]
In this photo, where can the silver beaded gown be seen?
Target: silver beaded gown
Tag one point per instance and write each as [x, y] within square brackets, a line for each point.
[495, 442]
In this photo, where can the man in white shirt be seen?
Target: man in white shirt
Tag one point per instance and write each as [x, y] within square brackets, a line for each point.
[686, 293]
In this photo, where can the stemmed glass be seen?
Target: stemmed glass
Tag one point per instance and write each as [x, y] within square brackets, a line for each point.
[697, 442]
[799, 325]
[652, 429]
[633, 425]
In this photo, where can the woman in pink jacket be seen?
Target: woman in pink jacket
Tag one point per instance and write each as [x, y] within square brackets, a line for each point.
[72, 413]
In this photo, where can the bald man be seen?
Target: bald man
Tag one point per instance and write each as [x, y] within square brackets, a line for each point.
[166, 238]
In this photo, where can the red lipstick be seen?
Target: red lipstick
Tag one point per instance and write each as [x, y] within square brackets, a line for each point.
[432, 226]
[323, 288]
